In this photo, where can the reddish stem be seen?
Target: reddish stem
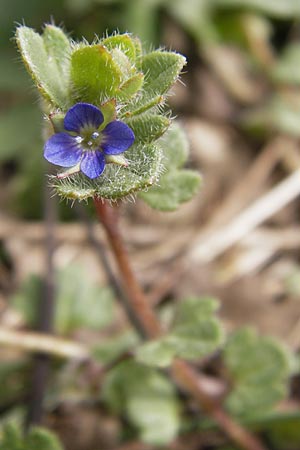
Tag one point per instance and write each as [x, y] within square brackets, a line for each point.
[184, 374]
[140, 307]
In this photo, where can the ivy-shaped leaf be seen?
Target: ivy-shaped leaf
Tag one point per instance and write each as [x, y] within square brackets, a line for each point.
[147, 398]
[195, 334]
[259, 368]
[176, 185]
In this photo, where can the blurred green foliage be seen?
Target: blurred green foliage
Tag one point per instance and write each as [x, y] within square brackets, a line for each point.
[37, 439]
[80, 303]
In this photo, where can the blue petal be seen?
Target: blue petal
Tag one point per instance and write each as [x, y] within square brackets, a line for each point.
[117, 137]
[83, 115]
[92, 164]
[63, 150]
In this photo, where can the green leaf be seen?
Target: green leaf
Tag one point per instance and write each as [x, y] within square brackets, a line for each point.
[175, 185]
[147, 398]
[95, 76]
[124, 42]
[144, 167]
[159, 353]
[109, 349]
[195, 334]
[260, 379]
[148, 127]
[46, 60]
[58, 48]
[174, 188]
[161, 70]
[175, 147]
[130, 87]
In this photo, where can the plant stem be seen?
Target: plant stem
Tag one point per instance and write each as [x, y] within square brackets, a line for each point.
[140, 308]
[184, 374]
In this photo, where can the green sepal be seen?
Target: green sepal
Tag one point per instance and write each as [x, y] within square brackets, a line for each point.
[176, 185]
[195, 334]
[144, 167]
[120, 160]
[57, 122]
[95, 76]
[47, 60]
[69, 172]
[148, 127]
[109, 112]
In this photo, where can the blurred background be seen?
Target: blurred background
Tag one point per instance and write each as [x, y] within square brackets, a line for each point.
[238, 240]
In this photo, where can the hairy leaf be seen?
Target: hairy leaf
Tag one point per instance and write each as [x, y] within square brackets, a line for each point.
[148, 399]
[46, 59]
[176, 185]
[260, 378]
[95, 76]
[195, 333]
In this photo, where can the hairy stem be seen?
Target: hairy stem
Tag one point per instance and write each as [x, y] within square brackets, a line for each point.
[184, 374]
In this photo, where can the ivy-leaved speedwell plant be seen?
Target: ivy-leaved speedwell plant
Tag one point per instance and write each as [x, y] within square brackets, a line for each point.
[105, 105]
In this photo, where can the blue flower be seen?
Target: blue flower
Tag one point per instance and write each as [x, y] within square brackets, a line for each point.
[84, 144]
